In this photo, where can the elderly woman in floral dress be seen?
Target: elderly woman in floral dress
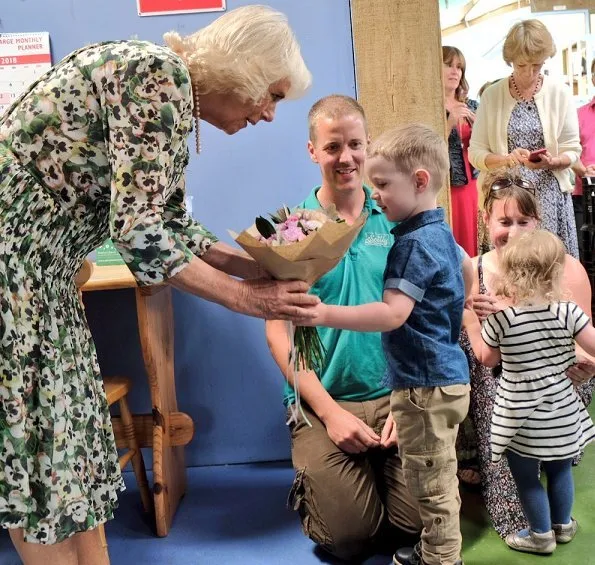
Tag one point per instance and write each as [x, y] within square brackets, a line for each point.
[97, 148]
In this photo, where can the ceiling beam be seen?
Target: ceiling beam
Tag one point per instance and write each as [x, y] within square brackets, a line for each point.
[510, 7]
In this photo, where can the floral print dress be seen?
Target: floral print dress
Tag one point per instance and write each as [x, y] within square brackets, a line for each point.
[95, 148]
[557, 213]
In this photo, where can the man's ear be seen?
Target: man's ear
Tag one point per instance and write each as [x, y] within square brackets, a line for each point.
[311, 151]
[422, 180]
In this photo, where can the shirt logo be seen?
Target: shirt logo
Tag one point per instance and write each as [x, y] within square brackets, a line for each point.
[378, 239]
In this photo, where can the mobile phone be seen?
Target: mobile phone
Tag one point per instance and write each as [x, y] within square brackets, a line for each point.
[534, 155]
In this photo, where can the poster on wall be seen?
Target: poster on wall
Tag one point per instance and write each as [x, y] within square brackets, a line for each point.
[24, 57]
[163, 7]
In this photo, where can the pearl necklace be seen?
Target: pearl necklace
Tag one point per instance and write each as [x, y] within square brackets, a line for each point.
[196, 118]
[517, 92]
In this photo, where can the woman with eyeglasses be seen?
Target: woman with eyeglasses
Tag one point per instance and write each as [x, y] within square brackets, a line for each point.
[510, 208]
[527, 112]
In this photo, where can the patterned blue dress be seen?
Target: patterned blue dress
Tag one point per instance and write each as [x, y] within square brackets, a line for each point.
[557, 213]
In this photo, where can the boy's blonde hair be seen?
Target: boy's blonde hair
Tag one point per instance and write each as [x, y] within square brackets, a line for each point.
[528, 41]
[532, 266]
[411, 147]
[243, 51]
[334, 106]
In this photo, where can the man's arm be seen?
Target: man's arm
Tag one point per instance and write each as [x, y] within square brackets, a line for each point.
[347, 431]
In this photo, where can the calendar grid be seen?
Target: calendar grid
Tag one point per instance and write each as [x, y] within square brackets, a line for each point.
[24, 57]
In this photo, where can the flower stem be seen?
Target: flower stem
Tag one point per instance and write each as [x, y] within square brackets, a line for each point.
[309, 349]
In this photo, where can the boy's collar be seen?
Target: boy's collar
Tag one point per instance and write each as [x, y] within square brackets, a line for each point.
[418, 221]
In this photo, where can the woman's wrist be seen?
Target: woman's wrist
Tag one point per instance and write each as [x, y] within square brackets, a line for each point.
[232, 261]
[560, 162]
[497, 161]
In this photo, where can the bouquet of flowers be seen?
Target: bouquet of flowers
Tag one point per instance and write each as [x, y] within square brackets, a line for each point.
[302, 245]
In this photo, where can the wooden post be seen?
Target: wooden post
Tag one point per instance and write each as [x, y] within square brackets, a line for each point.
[398, 62]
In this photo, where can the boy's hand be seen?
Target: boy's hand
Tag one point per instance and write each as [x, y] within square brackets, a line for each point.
[319, 312]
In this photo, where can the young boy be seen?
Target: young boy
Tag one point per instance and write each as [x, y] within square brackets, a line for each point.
[420, 317]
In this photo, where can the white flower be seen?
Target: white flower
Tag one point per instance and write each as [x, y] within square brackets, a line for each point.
[78, 509]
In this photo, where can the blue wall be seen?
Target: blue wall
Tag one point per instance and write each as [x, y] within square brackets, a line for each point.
[226, 379]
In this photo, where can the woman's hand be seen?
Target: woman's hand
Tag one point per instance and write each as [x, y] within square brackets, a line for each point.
[582, 371]
[546, 161]
[278, 300]
[516, 157]
[484, 305]
[458, 112]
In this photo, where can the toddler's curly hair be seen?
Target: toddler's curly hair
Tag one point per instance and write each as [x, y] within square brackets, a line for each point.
[531, 268]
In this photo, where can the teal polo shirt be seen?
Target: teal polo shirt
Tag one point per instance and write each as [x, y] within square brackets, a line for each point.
[355, 362]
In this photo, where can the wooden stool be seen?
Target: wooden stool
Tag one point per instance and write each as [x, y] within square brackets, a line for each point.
[116, 389]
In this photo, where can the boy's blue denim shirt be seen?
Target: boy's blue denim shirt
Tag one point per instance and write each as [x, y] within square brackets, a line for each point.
[425, 263]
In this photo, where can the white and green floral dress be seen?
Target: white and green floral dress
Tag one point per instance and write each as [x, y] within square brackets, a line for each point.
[95, 148]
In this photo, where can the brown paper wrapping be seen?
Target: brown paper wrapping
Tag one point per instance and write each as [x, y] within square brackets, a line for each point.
[305, 260]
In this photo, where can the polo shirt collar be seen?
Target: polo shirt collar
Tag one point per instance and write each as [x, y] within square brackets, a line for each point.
[370, 205]
[418, 221]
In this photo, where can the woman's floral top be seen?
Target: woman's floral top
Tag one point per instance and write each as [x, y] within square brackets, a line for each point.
[95, 148]
[108, 126]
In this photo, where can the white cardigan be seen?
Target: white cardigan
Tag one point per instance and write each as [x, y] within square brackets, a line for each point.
[558, 118]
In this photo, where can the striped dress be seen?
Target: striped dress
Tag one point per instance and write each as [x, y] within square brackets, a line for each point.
[537, 412]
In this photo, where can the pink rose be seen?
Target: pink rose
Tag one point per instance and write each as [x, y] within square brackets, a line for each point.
[293, 233]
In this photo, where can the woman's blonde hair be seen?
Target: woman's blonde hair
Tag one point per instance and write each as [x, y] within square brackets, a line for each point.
[243, 51]
[448, 54]
[528, 41]
[525, 199]
[531, 266]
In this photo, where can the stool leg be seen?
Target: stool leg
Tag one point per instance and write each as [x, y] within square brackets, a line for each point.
[137, 459]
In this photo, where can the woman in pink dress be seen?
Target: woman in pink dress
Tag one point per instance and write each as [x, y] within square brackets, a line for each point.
[460, 112]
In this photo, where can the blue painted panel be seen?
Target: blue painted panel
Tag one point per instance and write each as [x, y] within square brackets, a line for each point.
[225, 377]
